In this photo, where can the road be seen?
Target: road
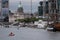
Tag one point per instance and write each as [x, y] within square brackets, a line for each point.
[28, 34]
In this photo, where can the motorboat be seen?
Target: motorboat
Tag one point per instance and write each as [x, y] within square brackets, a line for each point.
[11, 34]
[42, 24]
[50, 28]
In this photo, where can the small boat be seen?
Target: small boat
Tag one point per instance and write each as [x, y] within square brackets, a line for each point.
[50, 28]
[11, 34]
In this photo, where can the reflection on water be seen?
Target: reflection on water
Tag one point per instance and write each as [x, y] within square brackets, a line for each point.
[28, 34]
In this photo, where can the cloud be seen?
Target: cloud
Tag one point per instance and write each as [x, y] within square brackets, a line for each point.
[25, 0]
[13, 5]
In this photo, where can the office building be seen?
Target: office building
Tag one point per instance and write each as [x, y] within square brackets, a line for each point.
[58, 2]
[42, 10]
[4, 10]
[53, 7]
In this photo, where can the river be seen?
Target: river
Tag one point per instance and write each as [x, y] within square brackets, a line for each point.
[28, 34]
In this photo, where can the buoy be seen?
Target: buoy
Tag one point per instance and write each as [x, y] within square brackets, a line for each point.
[11, 34]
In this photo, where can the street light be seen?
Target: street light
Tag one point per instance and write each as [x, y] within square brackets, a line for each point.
[31, 9]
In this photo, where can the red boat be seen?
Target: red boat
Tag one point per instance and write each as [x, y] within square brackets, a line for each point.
[11, 34]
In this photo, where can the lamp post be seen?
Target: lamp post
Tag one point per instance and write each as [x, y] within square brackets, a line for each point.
[31, 8]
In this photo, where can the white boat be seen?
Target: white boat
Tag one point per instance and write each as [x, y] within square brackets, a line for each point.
[42, 24]
[11, 34]
[50, 28]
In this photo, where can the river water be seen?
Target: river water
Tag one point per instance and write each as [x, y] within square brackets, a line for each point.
[28, 34]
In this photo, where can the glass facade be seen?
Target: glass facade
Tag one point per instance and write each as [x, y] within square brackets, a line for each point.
[5, 7]
[40, 8]
[46, 7]
[58, 1]
[5, 3]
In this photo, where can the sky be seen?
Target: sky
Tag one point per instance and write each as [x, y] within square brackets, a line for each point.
[13, 5]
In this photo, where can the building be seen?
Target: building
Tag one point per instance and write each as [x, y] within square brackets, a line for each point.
[4, 10]
[20, 8]
[42, 10]
[58, 2]
[15, 16]
[19, 14]
[0, 7]
[53, 7]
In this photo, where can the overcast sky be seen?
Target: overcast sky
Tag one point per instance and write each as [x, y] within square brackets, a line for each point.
[13, 5]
